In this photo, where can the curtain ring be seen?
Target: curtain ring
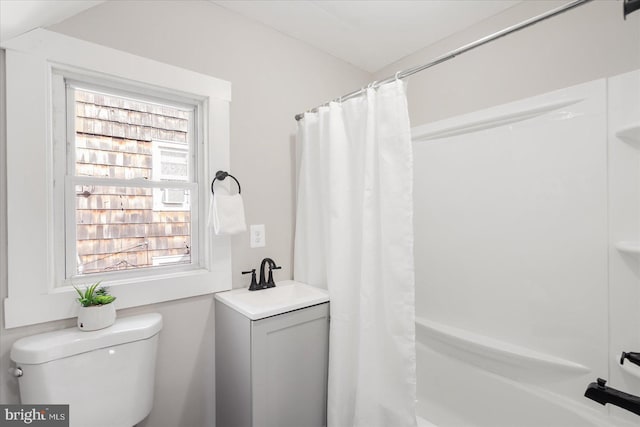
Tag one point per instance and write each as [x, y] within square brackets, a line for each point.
[372, 84]
[396, 75]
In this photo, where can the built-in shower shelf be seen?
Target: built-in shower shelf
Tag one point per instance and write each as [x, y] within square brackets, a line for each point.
[629, 247]
[506, 355]
[629, 368]
[630, 133]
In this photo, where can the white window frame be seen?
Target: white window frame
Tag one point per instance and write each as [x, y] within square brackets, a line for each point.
[64, 82]
[167, 259]
[33, 187]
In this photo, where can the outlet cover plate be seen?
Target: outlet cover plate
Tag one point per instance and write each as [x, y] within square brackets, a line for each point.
[258, 238]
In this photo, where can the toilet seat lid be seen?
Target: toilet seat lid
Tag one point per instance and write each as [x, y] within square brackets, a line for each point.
[55, 345]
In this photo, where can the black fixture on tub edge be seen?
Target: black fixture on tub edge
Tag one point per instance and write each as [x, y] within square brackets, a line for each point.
[603, 394]
[263, 284]
[631, 357]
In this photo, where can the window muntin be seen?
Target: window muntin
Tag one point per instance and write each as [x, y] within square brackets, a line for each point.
[131, 176]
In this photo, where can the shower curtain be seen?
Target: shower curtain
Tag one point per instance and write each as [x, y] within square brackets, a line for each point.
[354, 236]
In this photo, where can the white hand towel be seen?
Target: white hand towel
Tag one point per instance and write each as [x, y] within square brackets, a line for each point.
[227, 214]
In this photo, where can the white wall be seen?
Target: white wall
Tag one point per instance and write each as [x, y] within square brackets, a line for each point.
[583, 44]
[590, 42]
[273, 78]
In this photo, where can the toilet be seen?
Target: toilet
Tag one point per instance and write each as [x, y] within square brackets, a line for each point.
[106, 376]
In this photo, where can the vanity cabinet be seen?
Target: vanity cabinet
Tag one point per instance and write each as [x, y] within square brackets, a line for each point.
[271, 372]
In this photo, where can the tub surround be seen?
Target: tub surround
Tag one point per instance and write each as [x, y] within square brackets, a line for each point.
[510, 317]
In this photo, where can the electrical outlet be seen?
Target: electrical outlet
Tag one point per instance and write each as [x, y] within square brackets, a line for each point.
[258, 238]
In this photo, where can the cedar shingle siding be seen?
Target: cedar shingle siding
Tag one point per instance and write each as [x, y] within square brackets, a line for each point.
[117, 228]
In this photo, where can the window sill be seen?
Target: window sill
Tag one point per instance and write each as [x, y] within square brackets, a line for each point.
[61, 303]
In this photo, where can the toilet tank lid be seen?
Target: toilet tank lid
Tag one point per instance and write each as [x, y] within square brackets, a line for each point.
[55, 345]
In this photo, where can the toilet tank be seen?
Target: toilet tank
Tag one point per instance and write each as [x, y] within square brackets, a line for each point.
[106, 376]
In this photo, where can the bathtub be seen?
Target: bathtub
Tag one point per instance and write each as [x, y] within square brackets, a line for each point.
[468, 380]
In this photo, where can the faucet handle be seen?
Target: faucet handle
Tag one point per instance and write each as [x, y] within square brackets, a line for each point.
[270, 282]
[254, 284]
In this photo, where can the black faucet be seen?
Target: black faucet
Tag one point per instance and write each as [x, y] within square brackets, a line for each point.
[604, 394]
[631, 357]
[269, 283]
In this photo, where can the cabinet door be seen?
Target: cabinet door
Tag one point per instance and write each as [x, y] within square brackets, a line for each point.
[233, 368]
[289, 359]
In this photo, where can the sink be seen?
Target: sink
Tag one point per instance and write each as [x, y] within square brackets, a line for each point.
[287, 296]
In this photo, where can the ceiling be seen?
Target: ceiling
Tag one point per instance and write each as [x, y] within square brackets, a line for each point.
[368, 34]
[20, 16]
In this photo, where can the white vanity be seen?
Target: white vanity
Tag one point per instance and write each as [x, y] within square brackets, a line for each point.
[272, 351]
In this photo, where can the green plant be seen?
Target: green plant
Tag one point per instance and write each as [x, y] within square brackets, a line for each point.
[94, 295]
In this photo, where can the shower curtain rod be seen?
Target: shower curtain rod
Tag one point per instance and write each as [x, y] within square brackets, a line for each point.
[452, 54]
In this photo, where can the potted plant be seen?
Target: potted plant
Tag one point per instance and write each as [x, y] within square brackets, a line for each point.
[96, 311]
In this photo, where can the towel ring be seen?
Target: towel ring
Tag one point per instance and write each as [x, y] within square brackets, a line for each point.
[221, 175]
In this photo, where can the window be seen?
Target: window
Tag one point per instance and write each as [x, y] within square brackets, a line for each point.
[113, 149]
[109, 161]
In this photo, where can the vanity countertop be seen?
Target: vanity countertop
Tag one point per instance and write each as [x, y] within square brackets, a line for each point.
[287, 295]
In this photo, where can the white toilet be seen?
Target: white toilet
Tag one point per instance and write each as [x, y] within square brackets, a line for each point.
[106, 376]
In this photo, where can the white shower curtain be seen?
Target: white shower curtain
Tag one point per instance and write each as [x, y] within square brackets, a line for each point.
[354, 236]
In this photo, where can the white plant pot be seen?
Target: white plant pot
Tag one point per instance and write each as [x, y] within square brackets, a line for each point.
[96, 317]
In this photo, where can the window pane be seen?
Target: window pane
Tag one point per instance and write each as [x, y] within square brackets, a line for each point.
[130, 227]
[114, 137]
[173, 164]
[117, 229]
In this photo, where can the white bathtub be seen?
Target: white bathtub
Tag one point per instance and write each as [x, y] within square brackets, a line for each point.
[465, 380]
